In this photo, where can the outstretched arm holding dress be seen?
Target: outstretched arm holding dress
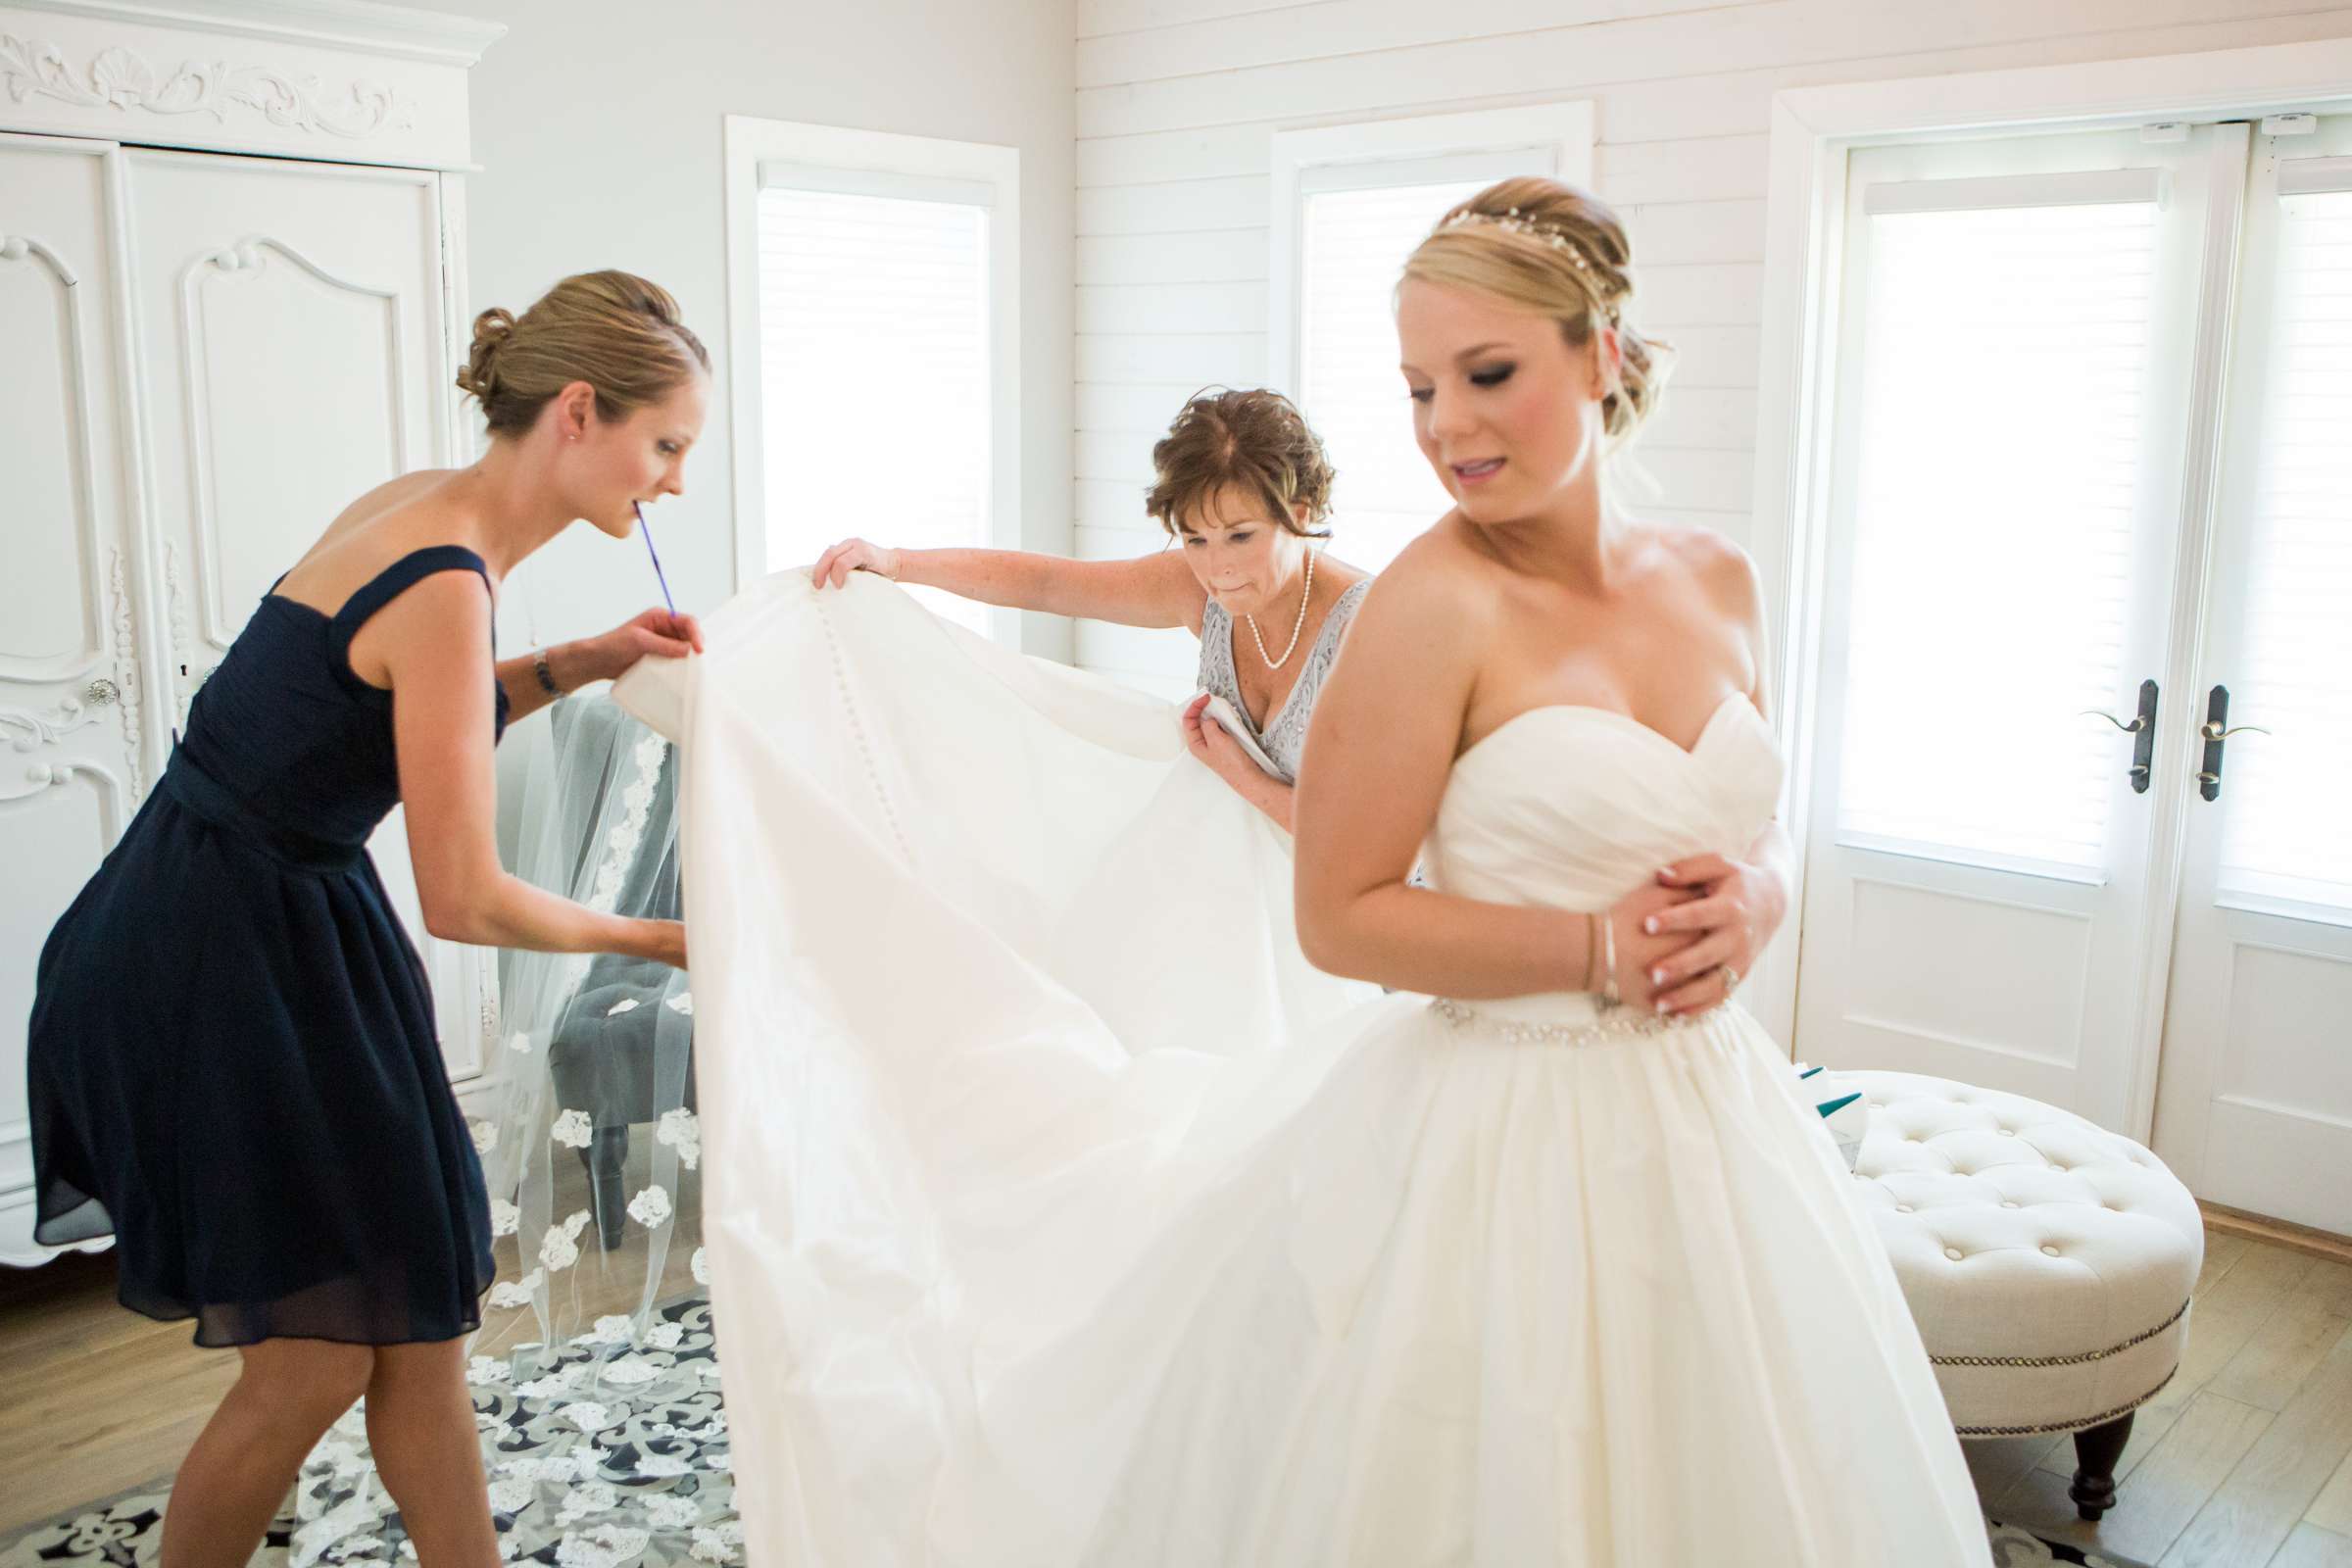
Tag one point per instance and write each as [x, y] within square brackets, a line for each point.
[1156, 590]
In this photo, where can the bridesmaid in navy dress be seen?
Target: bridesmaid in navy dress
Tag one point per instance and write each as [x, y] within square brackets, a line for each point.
[234, 1061]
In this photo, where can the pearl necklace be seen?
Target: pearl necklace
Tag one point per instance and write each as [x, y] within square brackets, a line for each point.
[1297, 626]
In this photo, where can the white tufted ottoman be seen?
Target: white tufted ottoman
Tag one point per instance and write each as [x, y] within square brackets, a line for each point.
[2047, 1262]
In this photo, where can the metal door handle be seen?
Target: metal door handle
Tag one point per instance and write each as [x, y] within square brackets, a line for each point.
[2144, 730]
[2216, 731]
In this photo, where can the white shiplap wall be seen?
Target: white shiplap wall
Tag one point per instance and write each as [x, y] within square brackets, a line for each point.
[1177, 99]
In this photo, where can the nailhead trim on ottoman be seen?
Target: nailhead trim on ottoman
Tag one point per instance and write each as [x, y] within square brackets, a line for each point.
[2047, 1262]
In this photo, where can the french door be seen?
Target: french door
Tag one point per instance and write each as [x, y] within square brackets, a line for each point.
[2091, 539]
[2254, 1103]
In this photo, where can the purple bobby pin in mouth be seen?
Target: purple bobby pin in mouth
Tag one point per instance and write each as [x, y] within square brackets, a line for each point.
[639, 508]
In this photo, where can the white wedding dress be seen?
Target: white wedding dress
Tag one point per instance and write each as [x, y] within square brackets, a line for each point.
[1028, 1252]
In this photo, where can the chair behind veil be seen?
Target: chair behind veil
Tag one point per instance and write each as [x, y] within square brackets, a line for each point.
[594, 1159]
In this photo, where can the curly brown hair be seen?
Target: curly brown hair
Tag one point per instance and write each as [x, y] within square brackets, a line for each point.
[1253, 440]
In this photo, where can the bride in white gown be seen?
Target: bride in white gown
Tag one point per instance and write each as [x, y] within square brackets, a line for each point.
[1516, 1277]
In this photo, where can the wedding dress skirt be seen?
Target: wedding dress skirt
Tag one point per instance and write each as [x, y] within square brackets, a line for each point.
[1059, 1215]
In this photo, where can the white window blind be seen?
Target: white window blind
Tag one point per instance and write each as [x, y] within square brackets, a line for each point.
[2288, 833]
[1357, 222]
[1352, 244]
[874, 368]
[2006, 369]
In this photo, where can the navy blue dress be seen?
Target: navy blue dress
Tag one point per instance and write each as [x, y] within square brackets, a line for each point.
[234, 1063]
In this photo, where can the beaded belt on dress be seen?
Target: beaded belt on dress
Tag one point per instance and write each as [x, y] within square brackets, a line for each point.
[1605, 1025]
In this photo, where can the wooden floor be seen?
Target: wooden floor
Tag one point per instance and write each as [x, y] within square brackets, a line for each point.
[95, 1400]
[2245, 1461]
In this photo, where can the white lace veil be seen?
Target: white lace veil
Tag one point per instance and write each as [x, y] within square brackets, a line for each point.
[593, 1162]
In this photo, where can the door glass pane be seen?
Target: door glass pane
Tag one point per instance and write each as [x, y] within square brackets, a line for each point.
[2007, 357]
[2289, 833]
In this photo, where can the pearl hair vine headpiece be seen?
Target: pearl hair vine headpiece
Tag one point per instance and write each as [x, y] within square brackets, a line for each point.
[1519, 223]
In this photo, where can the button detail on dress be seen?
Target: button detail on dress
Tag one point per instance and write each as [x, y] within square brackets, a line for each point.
[1952, 1252]
[2049, 1249]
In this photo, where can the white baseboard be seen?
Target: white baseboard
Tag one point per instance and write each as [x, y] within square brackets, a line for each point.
[17, 1248]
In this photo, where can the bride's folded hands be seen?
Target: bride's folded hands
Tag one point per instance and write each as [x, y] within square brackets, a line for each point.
[1639, 948]
[1710, 935]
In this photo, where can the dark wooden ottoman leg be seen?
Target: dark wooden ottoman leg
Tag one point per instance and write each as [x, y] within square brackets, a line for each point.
[607, 1158]
[2097, 1449]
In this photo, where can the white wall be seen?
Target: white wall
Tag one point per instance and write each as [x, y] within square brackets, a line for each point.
[1176, 100]
[597, 124]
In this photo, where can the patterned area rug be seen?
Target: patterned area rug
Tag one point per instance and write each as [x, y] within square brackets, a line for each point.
[605, 1453]
[609, 1454]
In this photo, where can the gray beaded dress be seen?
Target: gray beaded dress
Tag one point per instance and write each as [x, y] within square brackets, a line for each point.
[1285, 734]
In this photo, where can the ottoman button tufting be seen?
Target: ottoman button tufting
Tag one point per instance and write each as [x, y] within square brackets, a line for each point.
[2020, 1349]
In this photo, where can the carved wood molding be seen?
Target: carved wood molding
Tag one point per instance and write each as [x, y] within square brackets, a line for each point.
[123, 79]
[39, 775]
[126, 672]
[29, 730]
[183, 682]
[249, 258]
[79, 419]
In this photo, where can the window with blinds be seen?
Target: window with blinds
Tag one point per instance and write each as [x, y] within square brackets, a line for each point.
[875, 365]
[2006, 369]
[1365, 195]
[1352, 244]
[2286, 834]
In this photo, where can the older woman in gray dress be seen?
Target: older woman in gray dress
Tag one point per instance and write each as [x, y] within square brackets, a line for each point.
[1243, 486]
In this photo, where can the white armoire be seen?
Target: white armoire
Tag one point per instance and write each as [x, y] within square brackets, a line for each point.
[231, 269]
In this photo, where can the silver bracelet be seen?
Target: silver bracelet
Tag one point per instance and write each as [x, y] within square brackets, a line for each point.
[1608, 960]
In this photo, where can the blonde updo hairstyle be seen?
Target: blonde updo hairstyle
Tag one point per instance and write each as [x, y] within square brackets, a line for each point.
[613, 330]
[1253, 440]
[1556, 250]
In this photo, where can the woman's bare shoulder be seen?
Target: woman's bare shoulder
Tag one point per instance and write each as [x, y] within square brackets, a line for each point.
[387, 523]
[391, 496]
[1714, 559]
[1441, 572]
